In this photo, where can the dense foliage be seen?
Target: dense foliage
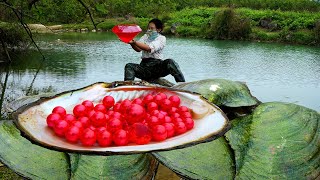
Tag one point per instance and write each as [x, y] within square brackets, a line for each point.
[12, 34]
[71, 11]
[59, 11]
[229, 25]
[244, 23]
[294, 21]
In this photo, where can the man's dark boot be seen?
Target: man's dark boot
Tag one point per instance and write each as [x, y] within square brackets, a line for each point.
[175, 71]
[179, 78]
[129, 73]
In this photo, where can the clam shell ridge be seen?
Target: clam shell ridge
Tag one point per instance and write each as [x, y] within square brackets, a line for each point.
[222, 92]
[31, 119]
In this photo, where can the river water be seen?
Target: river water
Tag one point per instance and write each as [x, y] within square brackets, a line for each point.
[273, 72]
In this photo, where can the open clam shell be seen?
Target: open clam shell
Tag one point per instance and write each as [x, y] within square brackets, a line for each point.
[31, 119]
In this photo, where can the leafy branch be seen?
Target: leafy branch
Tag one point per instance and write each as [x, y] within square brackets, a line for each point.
[24, 25]
[87, 9]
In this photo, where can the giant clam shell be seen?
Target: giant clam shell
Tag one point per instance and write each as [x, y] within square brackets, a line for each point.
[31, 119]
[222, 92]
[233, 97]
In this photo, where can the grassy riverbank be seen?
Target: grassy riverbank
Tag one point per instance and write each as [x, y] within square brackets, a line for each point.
[226, 23]
[216, 23]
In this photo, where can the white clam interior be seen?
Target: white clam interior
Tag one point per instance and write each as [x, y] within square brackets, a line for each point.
[33, 120]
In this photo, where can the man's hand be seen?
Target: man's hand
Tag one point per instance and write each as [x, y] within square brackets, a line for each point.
[132, 41]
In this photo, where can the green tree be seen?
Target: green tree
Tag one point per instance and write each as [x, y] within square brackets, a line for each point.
[226, 24]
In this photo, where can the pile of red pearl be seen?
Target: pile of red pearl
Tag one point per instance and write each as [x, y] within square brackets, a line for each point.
[154, 117]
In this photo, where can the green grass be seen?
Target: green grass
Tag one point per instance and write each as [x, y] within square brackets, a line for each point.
[285, 26]
[264, 35]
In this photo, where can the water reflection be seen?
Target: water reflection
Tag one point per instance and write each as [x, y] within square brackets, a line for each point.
[60, 63]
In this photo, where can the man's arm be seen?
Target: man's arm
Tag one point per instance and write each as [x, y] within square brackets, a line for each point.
[139, 46]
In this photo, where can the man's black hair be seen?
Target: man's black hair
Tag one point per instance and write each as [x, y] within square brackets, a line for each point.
[158, 23]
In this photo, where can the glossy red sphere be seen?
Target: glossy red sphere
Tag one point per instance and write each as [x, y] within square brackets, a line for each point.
[159, 133]
[120, 137]
[108, 101]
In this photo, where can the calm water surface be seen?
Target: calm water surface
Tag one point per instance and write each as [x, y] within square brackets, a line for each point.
[273, 72]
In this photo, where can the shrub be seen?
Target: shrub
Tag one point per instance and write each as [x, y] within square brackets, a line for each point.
[302, 37]
[285, 35]
[13, 35]
[226, 24]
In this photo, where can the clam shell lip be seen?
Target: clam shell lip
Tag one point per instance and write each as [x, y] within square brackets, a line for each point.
[31, 119]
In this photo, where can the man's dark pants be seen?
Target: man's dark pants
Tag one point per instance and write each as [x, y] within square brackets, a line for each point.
[151, 69]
